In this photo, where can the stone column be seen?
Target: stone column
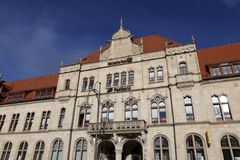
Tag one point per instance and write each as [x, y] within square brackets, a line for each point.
[118, 154]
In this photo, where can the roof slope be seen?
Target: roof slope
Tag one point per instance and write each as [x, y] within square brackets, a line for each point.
[151, 43]
[49, 81]
[216, 55]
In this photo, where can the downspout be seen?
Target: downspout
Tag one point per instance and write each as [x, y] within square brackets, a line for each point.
[173, 116]
[73, 115]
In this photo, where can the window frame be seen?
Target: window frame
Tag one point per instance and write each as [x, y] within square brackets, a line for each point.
[183, 70]
[161, 148]
[194, 147]
[57, 149]
[22, 151]
[123, 78]
[2, 121]
[230, 147]
[158, 100]
[38, 152]
[188, 105]
[91, 83]
[67, 84]
[109, 80]
[131, 77]
[108, 105]
[6, 151]
[61, 117]
[82, 148]
[131, 102]
[116, 78]
[84, 110]
[29, 121]
[85, 84]
[14, 122]
[45, 120]
[151, 74]
[160, 70]
[220, 104]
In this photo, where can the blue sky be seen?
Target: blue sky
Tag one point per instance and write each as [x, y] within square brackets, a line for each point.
[36, 35]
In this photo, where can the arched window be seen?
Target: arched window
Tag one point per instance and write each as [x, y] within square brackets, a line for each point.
[188, 108]
[6, 151]
[61, 118]
[67, 84]
[221, 107]
[159, 73]
[158, 110]
[195, 148]
[39, 150]
[230, 148]
[57, 150]
[107, 112]
[22, 151]
[151, 74]
[84, 115]
[161, 148]
[182, 68]
[81, 150]
[131, 110]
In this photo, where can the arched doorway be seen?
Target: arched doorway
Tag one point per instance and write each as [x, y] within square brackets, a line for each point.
[132, 150]
[106, 150]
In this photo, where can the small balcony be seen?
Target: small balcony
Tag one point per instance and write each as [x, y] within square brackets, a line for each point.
[120, 127]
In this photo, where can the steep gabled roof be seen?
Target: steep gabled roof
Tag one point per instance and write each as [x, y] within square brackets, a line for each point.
[151, 43]
[217, 55]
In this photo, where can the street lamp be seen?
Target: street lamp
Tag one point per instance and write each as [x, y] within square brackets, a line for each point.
[98, 94]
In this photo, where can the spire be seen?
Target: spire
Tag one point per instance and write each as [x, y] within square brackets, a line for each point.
[121, 23]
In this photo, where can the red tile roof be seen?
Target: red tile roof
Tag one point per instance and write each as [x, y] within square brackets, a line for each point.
[151, 43]
[217, 55]
[29, 87]
[49, 81]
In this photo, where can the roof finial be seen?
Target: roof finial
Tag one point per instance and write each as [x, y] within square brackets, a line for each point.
[121, 22]
[193, 39]
[62, 63]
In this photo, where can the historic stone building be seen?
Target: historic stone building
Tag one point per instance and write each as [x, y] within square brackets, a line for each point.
[159, 100]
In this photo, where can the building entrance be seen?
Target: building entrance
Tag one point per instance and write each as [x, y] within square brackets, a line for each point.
[106, 151]
[132, 150]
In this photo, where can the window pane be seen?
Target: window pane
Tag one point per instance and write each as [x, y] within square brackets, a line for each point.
[227, 70]
[189, 112]
[237, 68]
[227, 154]
[224, 142]
[189, 141]
[190, 154]
[159, 74]
[198, 142]
[218, 113]
[216, 71]
[226, 111]
[154, 115]
[157, 155]
[59, 155]
[162, 115]
[200, 154]
[223, 99]
[127, 115]
[165, 154]
[111, 116]
[151, 75]
[234, 141]
[157, 143]
[236, 153]
[84, 156]
[54, 155]
[135, 115]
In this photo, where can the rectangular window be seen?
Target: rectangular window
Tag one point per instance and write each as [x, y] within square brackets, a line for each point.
[41, 94]
[116, 79]
[236, 68]
[188, 108]
[151, 74]
[159, 73]
[2, 120]
[44, 120]
[123, 78]
[28, 122]
[131, 77]
[61, 118]
[109, 80]
[216, 71]
[227, 70]
[155, 115]
[14, 122]
[91, 83]
[163, 117]
[85, 83]
[16, 97]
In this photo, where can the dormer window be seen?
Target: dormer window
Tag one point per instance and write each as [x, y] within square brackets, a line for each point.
[216, 71]
[17, 97]
[236, 68]
[67, 84]
[44, 93]
[182, 68]
[224, 69]
[227, 70]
